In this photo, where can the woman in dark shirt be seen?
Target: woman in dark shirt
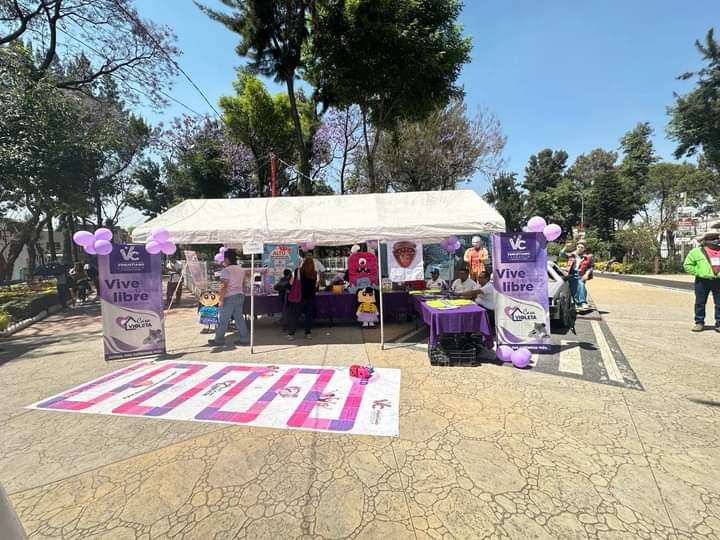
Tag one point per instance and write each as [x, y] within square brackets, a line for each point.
[308, 285]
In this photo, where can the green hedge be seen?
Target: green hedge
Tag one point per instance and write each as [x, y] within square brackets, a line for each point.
[5, 320]
[26, 307]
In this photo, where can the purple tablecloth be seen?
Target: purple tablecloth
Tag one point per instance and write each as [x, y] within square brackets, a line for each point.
[471, 318]
[334, 306]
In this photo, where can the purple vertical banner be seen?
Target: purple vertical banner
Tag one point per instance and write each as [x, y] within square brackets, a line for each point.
[131, 301]
[522, 314]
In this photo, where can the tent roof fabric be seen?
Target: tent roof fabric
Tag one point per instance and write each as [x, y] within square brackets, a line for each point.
[428, 216]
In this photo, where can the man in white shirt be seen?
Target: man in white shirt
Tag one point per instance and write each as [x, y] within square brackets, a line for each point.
[486, 293]
[435, 282]
[486, 296]
[464, 285]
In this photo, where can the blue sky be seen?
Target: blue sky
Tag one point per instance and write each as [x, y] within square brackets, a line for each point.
[558, 74]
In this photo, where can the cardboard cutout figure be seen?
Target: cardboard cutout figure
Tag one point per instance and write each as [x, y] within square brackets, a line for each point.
[208, 310]
[363, 270]
[367, 312]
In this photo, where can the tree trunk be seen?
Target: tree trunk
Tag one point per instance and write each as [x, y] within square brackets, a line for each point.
[32, 255]
[304, 180]
[71, 232]
[98, 202]
[32, 245]
[51, 239]
[370, 152]
[67, 239]
[17, 243]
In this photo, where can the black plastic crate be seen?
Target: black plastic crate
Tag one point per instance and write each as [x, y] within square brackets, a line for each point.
[454, 351]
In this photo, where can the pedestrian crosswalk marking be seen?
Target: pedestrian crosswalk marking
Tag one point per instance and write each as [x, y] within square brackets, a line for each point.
[570, 360]
[607, 356]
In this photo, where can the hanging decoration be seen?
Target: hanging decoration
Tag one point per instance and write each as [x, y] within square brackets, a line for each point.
[159, 240]
[97, 243]
[220, 255]
[451, 244]
[538, 224]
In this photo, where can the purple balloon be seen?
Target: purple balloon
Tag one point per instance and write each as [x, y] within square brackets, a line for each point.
[103, 234]
[153, 247]
[444, 243]
[103, 247]
[223, 249]
[168, 248]
[160, 235]
[219, 258]
[536, 224]
[503, 353]
[84, 238]
[552, 232]
[457, 245]
[521, 358]
[90, 249]
[452, 239]
[372, 244]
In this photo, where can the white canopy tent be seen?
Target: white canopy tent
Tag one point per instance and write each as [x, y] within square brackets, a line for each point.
[327, 220]
[428, 216]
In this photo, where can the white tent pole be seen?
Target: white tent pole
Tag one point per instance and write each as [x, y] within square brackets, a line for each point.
[252, 302]
[382, 322]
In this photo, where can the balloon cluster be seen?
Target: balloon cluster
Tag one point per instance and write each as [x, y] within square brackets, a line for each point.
[539, 225]
[306, 246]
[220, 255]
[451, 244]
[159, 240]
[98, 243]
[520, 358]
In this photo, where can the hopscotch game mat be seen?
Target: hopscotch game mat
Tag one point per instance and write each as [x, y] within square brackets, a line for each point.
[317, 398]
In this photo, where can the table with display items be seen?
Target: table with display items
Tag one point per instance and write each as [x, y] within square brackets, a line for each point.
[461, 319]
[336, 306]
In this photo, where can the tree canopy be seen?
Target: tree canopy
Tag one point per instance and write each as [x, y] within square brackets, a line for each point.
[695, 117]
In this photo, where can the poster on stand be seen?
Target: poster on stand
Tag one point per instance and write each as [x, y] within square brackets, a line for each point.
[198, 278]
[278, 257]
[131, 301]
[522, 314]
[405, 261]
[363, 270]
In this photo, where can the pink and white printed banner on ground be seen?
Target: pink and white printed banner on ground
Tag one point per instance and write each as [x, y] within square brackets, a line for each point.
[317, 398]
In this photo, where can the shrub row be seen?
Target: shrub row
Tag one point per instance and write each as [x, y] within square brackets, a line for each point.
[26, 307]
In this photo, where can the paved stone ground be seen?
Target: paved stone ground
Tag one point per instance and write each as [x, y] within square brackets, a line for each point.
[483, 452]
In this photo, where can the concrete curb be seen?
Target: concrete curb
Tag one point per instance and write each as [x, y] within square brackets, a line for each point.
[21, 325]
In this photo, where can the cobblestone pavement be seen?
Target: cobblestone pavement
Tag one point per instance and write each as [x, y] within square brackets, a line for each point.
[484, 452]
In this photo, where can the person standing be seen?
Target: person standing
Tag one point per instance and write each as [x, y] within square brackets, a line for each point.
[174, 286]
[308, 277]
[475, 257]
[703, 262]
[580, 265]
[94, 276]
[283, 289]
[486, 296]
[231, 300]
[82, 282]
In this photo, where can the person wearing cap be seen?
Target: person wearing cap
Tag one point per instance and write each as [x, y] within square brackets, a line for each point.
[703, 262]
[435, 282]
[475, 258]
